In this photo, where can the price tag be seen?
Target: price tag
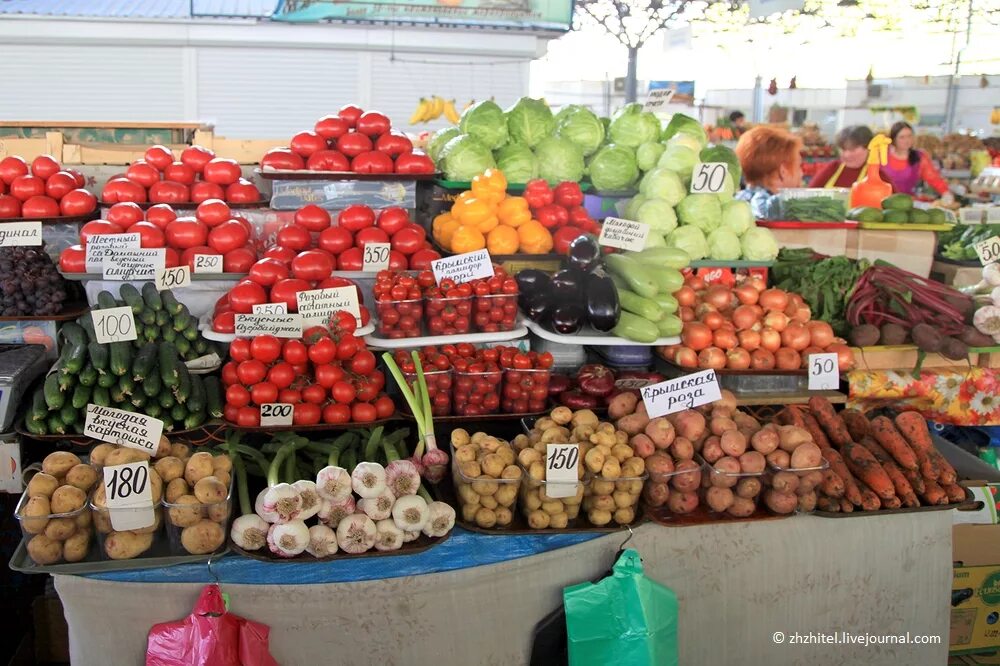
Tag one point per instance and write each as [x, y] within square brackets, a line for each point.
[561, 469]
[330, 191]
[129, 497]
[623, 234]
[206, 362]
[988, 250]
[676, 395]
[970, 215]
[376, 257]
[709, 177]
[316, 306]
[173, 278]
[20, 233]
[114, 324]
[278, 325]
[824, 372]
[276, 414]
[463, 267]
[133, 264]
[657, 99]
[208, 263]
[270, 308]
[131, 429]
[101, 245]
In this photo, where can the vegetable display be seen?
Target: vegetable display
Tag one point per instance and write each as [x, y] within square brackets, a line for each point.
[959, 244]
[898, 209]
[42, 189]
[814, 209]
[825, 283]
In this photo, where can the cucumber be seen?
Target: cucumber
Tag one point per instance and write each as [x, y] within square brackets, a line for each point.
[67, 414]
[200, 346]
[55, 425]
[178, 413]
[152, 384]
[152, 297]
[126, 384]
[197, 401]
[152, 409]
[636, 304]
[669, 326]
[73, 334]
[168, 364]
[634, 273]
[193, 420]
[144, 363]
[180, 322]
[634, 327]
[120, 358]
[118, 396]
[105, 300]
[98, 356]
[148, 317]
[39, 407]
[167, 400]
[86, 322]
[182, 345]
[151, 334]
[191, 332]
[87, 376]
[667, 302]
[657, 257]
[167, 333]
[668, 280]
[170, 303]
[107, 380]
[162, 317]
[36, 427]
[213, 396]
[54, 397]
[81, 396]
[132, 297]
[101, 396]
[183, 389]
[139, 400]
[74, 356]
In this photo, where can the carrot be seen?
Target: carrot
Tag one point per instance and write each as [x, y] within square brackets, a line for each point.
[869, 500]
[846, 506]
[857, 424]
[839, 467]
[832, 485]
[892, 503]
[914, 429]
[956, 493]
[886, 434]
[904, 490]
[864, 466]
[834, 426]
[790, 416]
[826, 503]
[812, 425]
[946, 473]
[934, 493]
[916, 481]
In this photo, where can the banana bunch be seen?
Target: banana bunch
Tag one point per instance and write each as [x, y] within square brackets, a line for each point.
[432, 108]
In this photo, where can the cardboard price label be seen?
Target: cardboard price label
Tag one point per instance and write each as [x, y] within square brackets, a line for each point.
[316, 306]
[824, 372]
[208, 263]
[116, 426]
[128, 265]
[623, 234]
[988, 250]
[376, 257]
[709, 177]
[993, 215]
[561, 469]
[101, 245]
[278, 325]
[114, 325]
[657, 99]
[676, 395]
[970, 215]
[463, 267]
[129, 497]
[270, 308]
[173, 278]
[20, 234]
[276, 414]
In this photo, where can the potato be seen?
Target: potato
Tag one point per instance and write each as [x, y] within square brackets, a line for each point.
[765, 440]
[806, 456]
[469, 512]
[154, 526]
[633, 467]
[35, 514]
[485, 488]
[126, 545]
[807, 502]
[602, 486]
[682, 449]
[742, 508]
[559, 520]
[155, 486]
[711, 451]
[99, 454]
[169, 468]
[689, 424]
[185, 512]
[466, 495]
[779, 459]
[622, 404]
[204, 537]
[43, 550]
[60, 529]
[623, 499]
[785, 482]
[470, 469]
[561, 415]
[539, 520]
[511, 472]
[77, 546]
[460, 437]
[198, 467]
[745, 422]
[599, 517]
[489, 444]
[601, 502]
[582, 433]
[219, 512]
[552, 506]
[82, 476]
[531, 501]
[780, 502]
[537, 471]
[544, 423]
[67, 499]
[726, 472]
[180, 450]
[42, 485]
[720, 426]
[682, 502]
[493, 465]
[661, 431]
[809, 480]
[655, 494]
[176, 489]
[752, 461]
[506, 455]
[489, 501]
[719, 499]
[624, 515]
[622, 452]
[102, 521]
[631, 486]
[612, 469]
[733, 443]
[84, 519]
[690, 477]
[720, 412]
[222, 463]
[528, 457]
[642, 445]
[791, 437]
[504, 516]
[123, 455]
[210, 490]
[587, 417]
[162, 447]
[748, 487]
[486, 518]
[594, 460]
[59, 463]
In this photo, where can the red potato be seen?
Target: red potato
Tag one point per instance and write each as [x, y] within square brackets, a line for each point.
[726, 400]
[682, 502]
[660, 466]
[661, 431]
[682, 449]
[765, 440]
[806, 456]
[807, 501]
[642, 445]
[780, 502]
[690, 478]
[689, 424]
[745, 421]
[752, 462]
[809, 481]
[748, 487]
[742, 507]
[711, 450]
[785, 482]
[733, 443]
[721, 425]
[726, 472]
[779, 459]
[719, 499]
[655, 494]
[622, 405]
[791, 437]
[720, 413]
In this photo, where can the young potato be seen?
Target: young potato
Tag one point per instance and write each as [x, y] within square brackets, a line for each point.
[460, 437]
[689, 424]
[720, 426]
[753, 462]
[506, 495]
[180, 450]
[807, 502]
[67, 499]
[511, 473]
[155, 486]
[203, 537]
[539, 520]
[612, 469]
[60, 529]
[599, 517]
[711, 450]
[506, 454]
[485, 488]
[631, 486]
[520, 442]
[656, 494]
[169, 468]
[76, 547]
[210, 490]
[83, 476]
[493, 465]
[35, 514]
[219, 512]
[604, 439]
[176, 489]
[682, 449]
[587, 417]
[806, 456]
[601, 503]
[553, 507]
[559, 521]
[719, 499]
[43, 550]
[59, 462]
[185, 512]
[102, 521]
[489, 501]
[198, 467]
[126, 545]
[748, 487]
[779, 459]
[733, 443]
[726, 472]
[477, 437]
[742, 508]
[531, 501]
[623, 499]
[624, 515]
[99, 454]
[490, 444]
[504, 516]
[466, 495]
[486, 518]
[544, 423]
[809, 480]
[123, 455]
[745, 422]
[765, 440]
[780, 502]
[594, 460]
[632, 424]
[633, 467]
[162, 447]
[622, 451]
[469, 512]
[470, 469]
[572, 511]
[642, 445]
[42, 485]
[785, 482]
[622, 404]
[561, 415]
[689, 479]
[791, 437]
[84, 519]
[555, 435]
[465, 453]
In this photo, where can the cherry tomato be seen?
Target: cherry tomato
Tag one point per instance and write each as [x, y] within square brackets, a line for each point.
[336, 413]
[237, 396]
[385, 407]
[295, 352]
[263, 393]
[323, 351]
[239, 350]
[250, 372]
[366, 389]
[306, 413]
[265, 348]
[248, 417]
[363, 363]
[343, 392]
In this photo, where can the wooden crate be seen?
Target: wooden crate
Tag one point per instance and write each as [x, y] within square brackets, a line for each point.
[904, 357]
[955, 275]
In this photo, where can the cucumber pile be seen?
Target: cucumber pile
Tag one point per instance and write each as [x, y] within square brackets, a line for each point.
[159, 317]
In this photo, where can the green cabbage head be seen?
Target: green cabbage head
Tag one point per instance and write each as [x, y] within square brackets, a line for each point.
[680, 159]
[582, 127]
[465, 157]
[485, 121]
[559, 160]
[517, 162]
[700, 210]
[613, 169]
[438, 141]
[529, 121]
[759, 244]
[736, 217]
[723, 245]
[648, 154]
[632, 127]
[689, 239]
[662, 184]
[682, 124]
[658, 214]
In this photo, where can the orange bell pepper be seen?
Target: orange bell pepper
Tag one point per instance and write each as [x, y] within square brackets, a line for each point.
[502, 240]
[443, 227]
[534, 238]
[491, 185]
[467, 239]
[473, 211]
[513, 211]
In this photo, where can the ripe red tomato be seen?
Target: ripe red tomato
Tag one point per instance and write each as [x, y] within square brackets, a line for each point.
[98, 227]
[351, 259]
[294, 237]
[370, 235]
[125, 214]
[331, 127]
[44, 166]
[229, 373]
[329, 374]
[185, 232]
[170, 258]
[285, 291]
[203, 191]
[322, 351]
[267, 271]
[265, 348]
[40, 206]
[59, 185]
[161, 215]
[336, 413]
[159, 156]
[150, 235]
[282, 159]
[335, 240]
[372, 162]
[312, 217]
[343, 392]
[239, 260]
[384, 407]
[407, 241]
[143, 173]
[313, 265]
[239, 350]
[397, 261]
[414, 164]
[249, 417]
[393, 144]
[222, 322]
[196, 157]
[421, 259]
[237, 396]
[242, 191]
[356, 217]
[10, 207]
[81, 180]
[306, 413]
[179, 172]
[363, 363]
[290, 396]
[263, 393]
[363, 412]
[222, 171]
[314, 393]
[245, 295]
[294, 352]
[11, 167]
[123, 190]
[213, 212]
[169, 191]
[350, 114]
[228, 236]
[72, 259]
[353, 144]
[250, 372]
[78, 202]
[307, 143]
[392, 219]
[281, 375]
[372, 124]
[25, 187]
[328, 160]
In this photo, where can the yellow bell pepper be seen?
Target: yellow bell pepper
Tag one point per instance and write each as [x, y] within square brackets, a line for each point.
[443, 227]
[473, 211]
[490, 185]
[534, 238]
[467, 239]
[513, 211]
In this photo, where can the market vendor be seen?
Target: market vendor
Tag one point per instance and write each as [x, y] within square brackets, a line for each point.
[771, 161]
[908, 166]
[852, 143]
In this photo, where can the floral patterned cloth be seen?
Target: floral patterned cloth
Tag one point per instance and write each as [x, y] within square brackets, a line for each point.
[960, 396]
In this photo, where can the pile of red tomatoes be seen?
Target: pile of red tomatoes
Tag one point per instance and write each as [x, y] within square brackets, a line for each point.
[42, 189]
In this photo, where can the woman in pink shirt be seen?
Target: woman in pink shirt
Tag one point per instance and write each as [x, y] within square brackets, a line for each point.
[908, 166]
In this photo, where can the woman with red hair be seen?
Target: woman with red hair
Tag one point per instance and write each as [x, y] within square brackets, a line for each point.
[771, 162]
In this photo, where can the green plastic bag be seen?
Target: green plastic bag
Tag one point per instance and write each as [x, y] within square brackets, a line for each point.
[623, 619]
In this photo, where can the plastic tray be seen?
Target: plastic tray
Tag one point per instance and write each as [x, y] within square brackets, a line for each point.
[888, 226]
[793, 224]
[70, 311]
[703, 516]
[588, 336]
[159, 558]
[373, 340]
[419, 545]
[304, 174]
[66, 219]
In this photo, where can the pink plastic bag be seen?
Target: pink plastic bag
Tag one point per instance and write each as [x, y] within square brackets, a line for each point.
[209, 636]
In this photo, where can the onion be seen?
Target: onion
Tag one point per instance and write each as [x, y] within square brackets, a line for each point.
[805, 353]
[820, 334]
[719, 296]
[686, 357]
[669, 352]
[703, 309]
[712, 357]
[773, 299]
[794, 301]
[686, 313]
[695, 282]
[776, 320]
[749, 339]
[759, 310]
[802, 314]
[744, 317]
[713, 320]
[770, 339]
[787, 358]
[696, 335]
[757, 282]
[795, 336]
[685, 296]
[738, 359]
[746, 294]
[761, 359]
[845, 357]
[724, 338]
